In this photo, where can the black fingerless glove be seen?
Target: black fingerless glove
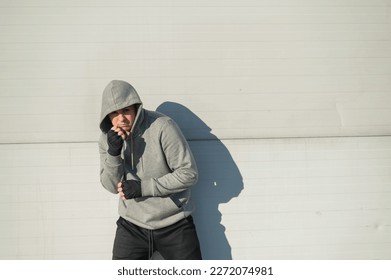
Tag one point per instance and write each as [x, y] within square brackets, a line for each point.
[131, 189]
[115, 143]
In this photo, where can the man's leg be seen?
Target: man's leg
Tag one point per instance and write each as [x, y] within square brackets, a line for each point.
[131, 242]
[178, 241]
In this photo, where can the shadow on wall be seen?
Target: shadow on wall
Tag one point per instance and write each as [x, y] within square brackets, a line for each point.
[219, 180]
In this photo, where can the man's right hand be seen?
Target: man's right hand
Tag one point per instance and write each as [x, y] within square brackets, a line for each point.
[115, 141]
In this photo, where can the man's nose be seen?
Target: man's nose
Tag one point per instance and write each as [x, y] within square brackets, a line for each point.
[121, 116]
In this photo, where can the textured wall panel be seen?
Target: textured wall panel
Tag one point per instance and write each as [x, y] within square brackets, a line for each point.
[256, 199]
[250, 69]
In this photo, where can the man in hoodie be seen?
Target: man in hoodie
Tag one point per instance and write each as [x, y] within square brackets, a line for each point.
[145, 159]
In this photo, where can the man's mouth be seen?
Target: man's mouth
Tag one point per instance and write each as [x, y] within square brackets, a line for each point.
[125, 127]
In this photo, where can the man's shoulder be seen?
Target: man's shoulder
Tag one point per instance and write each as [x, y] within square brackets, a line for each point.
[154, 116]
[154, 121]
[159, 124]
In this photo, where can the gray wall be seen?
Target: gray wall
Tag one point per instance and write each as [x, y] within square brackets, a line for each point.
[286, 105]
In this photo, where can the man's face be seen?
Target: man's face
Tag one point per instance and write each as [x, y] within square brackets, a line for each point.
[123, 118]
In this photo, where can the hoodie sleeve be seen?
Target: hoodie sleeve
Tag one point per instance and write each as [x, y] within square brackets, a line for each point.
[111, 168]
[179, 159]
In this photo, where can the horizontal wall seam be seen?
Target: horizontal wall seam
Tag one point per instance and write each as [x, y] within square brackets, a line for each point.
[206, 140]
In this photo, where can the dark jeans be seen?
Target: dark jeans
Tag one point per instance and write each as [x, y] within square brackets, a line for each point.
[176, 242]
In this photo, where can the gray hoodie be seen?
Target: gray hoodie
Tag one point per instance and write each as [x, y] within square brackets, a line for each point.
[156, 153]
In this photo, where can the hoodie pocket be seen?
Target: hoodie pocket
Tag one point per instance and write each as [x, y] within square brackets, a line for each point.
[179, 199]
[177, 202]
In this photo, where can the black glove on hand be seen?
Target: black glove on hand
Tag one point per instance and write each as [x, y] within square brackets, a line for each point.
[131, 189]
[115, 143]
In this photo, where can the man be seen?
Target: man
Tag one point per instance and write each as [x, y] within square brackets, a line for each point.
[145, 158]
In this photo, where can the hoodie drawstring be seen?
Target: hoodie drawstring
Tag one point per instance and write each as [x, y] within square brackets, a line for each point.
[150, 244]
[131, 151]
[131, 157]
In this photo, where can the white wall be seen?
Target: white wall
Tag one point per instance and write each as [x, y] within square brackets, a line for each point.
[293, 98]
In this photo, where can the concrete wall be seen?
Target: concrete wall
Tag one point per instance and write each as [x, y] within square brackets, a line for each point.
[286, 105]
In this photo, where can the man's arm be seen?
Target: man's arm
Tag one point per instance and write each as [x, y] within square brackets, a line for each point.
[111, 168]
[179, 159]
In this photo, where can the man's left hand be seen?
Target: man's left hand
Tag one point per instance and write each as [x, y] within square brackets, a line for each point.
[129, 189]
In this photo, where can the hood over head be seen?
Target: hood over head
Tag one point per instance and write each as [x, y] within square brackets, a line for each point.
[117, 95]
